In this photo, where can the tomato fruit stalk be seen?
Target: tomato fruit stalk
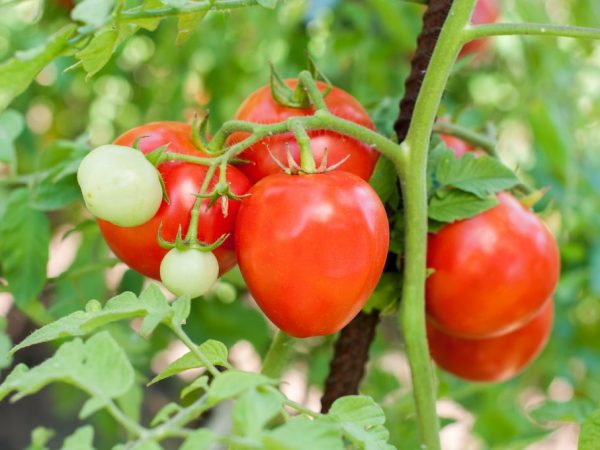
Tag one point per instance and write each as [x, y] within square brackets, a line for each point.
[311, 249]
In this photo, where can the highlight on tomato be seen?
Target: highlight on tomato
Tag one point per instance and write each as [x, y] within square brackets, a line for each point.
[491, 273]
[138, 246]
[492, 359]
[260, 107]
[311, 249]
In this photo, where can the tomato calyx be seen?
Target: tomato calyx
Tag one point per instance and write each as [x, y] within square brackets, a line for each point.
[305, 94]
[189, 242]
[200, 136]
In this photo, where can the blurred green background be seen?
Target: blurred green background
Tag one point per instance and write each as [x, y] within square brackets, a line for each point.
[541, 97]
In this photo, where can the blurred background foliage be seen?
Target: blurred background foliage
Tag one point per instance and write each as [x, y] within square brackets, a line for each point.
[541, 97]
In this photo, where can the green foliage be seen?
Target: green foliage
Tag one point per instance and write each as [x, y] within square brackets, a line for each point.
[17, 73]
[24, 241]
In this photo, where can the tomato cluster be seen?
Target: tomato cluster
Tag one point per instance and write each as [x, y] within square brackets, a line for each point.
[311, 247]
[492, 275]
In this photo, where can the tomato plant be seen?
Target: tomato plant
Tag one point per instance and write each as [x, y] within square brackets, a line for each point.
[492, 272]
[492, 359]
[260, 107]
[311, 249]
[119, 185]
[138, 246]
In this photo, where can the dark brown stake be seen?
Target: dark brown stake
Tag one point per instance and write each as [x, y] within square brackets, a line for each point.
[351, 351]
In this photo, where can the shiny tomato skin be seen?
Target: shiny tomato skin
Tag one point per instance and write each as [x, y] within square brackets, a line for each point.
[177, 135]
[492, 272]
[260, 107]
[493, 359]
[485, 11]
[311, 249]
[137, 246]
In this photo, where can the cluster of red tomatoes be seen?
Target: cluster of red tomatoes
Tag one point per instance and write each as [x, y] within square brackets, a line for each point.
[311, 247]
[489, 299]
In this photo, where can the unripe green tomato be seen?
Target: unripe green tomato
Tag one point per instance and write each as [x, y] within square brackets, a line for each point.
[191, 272]
[120, 185]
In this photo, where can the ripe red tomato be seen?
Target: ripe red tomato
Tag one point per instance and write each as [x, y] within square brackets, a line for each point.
[493, 359]
[137, 246]
[493, 272]
[486, 11]
[311, 249]
[260, 107]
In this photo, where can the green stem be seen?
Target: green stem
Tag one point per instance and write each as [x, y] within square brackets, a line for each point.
[531, 29]
[314, 94]
[183, 337]
[307, 159]
[195, 214]
[414, 189]
[192, 7]
[301, 408]
[278, 355]
[477, 139]
[320, 120]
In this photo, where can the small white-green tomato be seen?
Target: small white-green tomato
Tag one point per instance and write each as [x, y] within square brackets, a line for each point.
[191, 271]
[120, 185]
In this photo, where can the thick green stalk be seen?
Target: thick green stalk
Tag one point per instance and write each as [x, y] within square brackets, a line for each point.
[414, 187]
[278, 355]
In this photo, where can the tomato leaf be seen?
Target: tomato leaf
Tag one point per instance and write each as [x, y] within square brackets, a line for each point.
[386, 294]
[383, 179]
[80, 323]
[81, 439]
[186, 23]
[301, 433]
[362, 421]
[234, 383]
[199, 383]
[200, 439]
[480, 175]
[254, 410]
[590, 432]
[17, 73]
[99, 51]
[93, 12]
[12, 125]
[457, 205]
[39, 437]
[24, 241]
[99, 367]
[215, 351]
[165, 413]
